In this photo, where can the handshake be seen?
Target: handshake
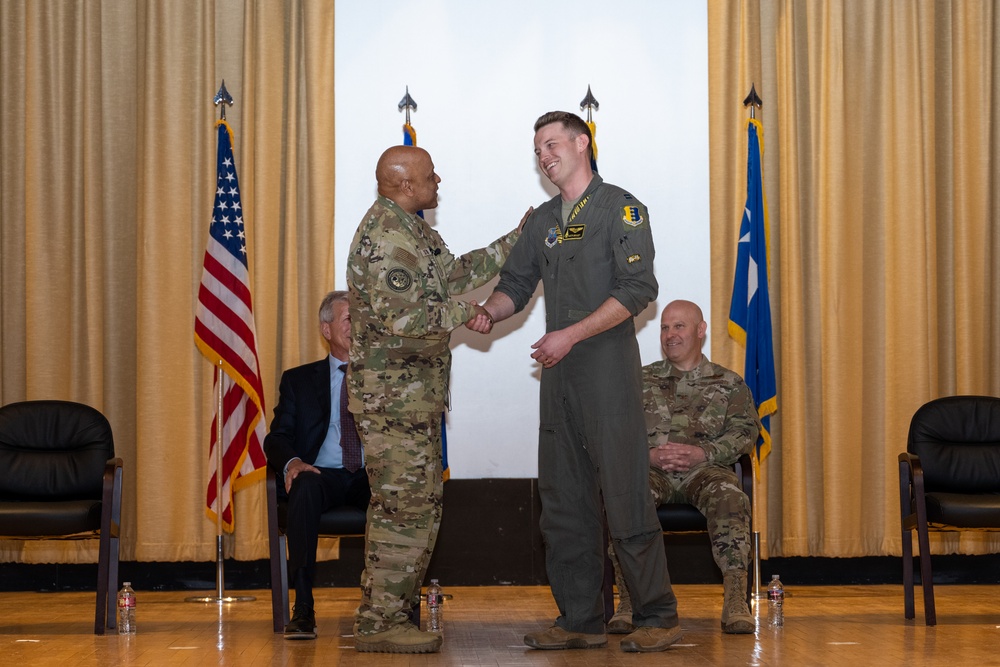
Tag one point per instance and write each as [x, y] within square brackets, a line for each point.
[482, 321]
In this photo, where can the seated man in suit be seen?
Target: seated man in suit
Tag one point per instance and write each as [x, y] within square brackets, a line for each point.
[700, 418]
[315, 446]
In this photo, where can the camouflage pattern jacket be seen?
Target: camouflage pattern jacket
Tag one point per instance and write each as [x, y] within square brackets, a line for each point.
[709, 406]
[401, 278]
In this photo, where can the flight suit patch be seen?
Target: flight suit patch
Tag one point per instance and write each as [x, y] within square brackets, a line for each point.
[399, 279]
[632, 216]
[631, 259]
[552, 238]
[574, 232]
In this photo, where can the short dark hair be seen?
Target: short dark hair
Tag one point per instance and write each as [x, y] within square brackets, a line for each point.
[326, 308]
[573, 124]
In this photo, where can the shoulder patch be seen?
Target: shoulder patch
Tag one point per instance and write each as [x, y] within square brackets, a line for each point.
[398, 279]
[632, 216]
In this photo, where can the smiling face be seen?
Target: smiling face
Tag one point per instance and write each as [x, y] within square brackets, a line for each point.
[337, 331]
[682, 332]
[562, 157]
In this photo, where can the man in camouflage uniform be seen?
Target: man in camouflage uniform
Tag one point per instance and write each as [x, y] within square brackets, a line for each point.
[591, 246]
[401, 279]
[700, 418]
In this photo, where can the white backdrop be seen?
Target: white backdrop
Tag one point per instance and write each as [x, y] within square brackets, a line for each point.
[481, 73]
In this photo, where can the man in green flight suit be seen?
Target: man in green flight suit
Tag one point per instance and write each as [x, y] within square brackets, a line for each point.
[700, 417]
[591, 247]
[402, 278]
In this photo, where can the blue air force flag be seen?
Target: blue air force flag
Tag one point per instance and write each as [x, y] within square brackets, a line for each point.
[750, 308]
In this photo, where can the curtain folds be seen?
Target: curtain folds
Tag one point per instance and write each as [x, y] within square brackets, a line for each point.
[108, 178]
[883, 184]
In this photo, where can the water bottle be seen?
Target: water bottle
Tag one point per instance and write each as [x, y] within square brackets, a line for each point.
[435, 613]
[126, 610]
[775, 602]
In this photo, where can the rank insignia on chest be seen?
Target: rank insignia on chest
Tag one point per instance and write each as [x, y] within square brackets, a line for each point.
[398, 279]
[632, 215]
[574, 232]
[553, 237]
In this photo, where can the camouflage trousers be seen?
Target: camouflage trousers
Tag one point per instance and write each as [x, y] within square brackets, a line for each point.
[403, 459]
[715, 491]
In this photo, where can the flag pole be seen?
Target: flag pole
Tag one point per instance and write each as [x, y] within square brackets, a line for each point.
[222, 97]
[753, 101]
[407, 103]
[590, 103]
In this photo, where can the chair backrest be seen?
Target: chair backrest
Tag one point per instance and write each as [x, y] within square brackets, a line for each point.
[958, 441]
[53, 450]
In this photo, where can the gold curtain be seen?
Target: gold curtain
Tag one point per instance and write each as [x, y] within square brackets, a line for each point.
[880, 166]
[883, 186]
[107, 183]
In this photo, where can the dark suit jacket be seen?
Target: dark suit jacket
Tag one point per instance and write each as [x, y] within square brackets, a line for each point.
[302, 416]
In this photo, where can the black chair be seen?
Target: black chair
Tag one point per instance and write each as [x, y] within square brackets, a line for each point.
[343, 521]
[685, 518]
[62, 480]
[949, 479]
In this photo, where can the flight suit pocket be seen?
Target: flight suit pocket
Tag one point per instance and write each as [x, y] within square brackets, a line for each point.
[630, 257]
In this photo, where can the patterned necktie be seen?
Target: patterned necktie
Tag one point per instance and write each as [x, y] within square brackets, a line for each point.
[350, 442]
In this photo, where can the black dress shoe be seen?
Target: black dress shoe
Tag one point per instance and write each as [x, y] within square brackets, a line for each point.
[303, 623]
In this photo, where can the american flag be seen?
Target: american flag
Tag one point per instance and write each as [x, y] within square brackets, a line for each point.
[225, 333]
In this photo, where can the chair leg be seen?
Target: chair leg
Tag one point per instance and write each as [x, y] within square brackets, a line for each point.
[279, 584]
[926, 579]
[112, 586]
[908, 606]
[103, 576]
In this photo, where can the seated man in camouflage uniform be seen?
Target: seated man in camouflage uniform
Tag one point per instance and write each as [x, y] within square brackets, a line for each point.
[700, 418]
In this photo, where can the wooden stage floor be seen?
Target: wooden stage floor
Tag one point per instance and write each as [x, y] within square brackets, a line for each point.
[852, 626]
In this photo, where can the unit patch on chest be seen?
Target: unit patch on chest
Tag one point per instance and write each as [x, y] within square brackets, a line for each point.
[398, 279]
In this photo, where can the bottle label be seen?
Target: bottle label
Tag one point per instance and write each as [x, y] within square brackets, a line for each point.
[775, 595]
[126, 602]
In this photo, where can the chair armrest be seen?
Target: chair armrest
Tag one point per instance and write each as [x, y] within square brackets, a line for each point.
[911, 490]
[911, 471]
[271, 484]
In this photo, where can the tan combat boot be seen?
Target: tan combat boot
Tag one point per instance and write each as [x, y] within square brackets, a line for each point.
[736, 616]
[405, 638]
[621, 622]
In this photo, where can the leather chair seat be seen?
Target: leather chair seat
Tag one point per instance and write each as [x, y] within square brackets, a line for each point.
[339, 521]
[681, 518]
[37, 519]
[963, 510]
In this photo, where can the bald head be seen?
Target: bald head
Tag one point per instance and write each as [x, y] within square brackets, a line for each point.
[682, 308]
[405, 174]
[682, 332]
